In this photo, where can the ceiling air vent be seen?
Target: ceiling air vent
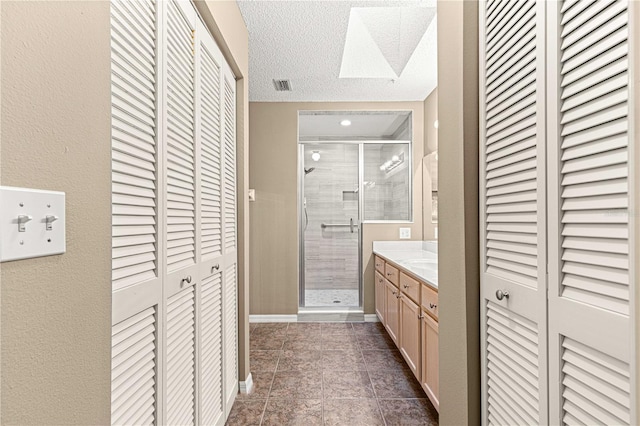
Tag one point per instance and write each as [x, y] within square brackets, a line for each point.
[282, 85]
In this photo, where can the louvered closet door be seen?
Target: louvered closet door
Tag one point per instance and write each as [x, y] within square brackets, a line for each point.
[230, 293]
[209, 125]
[512, 181]
[136, 243]
[181, 225]
[589, 279]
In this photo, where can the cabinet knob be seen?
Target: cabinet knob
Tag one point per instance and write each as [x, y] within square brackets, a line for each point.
[420, 316]
[405, 286]
[431, 305]
[389, 274]
[502, 294]
[185, 280]
[394, 292]
[215, 268]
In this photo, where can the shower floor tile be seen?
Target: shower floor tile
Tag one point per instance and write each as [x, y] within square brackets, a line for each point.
[328, 298]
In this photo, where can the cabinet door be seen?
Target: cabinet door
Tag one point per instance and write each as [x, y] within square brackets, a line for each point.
[591, 279]
[392, 302]
[380, 297]
[410, 333]
[430, 378]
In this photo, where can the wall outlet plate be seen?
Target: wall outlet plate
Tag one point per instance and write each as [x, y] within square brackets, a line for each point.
[42, 215]
[405, 233]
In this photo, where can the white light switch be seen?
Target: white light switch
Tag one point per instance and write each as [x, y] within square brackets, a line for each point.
[405, 233]
[32, 223]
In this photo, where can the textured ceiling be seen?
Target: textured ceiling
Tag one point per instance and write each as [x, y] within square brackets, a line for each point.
[304, 42]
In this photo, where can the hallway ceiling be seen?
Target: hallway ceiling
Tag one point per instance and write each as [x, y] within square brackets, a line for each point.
[376, 50]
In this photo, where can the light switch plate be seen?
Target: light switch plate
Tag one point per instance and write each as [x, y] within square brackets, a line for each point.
[405, 233]
[33, 206]
[252, 195]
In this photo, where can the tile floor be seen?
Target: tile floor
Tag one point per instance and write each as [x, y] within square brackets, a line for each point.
[329, 374]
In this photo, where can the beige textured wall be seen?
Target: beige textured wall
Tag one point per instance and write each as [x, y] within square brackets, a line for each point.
[274, 214]
[430, 145]
[458, 268]
[230, 32]
[55, 120]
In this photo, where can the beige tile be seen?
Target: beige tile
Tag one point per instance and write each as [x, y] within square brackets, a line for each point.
[346, 384]
[302, 344]
[408, 412]
[270, 330]
[300, 360]
[246, 413]
[341, 360]
[297, 385]
[336, 328]
[339, 342]
[297, 412]
[396, 384]
[266, 343]
[349, 412]
[304, 328]
[375, 341]
[264, 360]
[369, 328]
[384, 360]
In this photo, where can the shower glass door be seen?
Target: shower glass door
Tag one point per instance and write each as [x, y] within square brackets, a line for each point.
[330, 225]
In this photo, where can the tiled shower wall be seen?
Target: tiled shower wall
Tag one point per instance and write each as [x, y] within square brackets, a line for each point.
[331, 254]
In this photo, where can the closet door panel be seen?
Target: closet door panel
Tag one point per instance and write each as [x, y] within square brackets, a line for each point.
[513, 205]
[589, 231]
[209, 129]
[181, 281]
[136, 241]
[230, 293]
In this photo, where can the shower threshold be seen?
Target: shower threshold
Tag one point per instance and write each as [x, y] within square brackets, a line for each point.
[330, 314]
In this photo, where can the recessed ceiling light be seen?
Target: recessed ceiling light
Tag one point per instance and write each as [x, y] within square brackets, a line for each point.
[345, 123]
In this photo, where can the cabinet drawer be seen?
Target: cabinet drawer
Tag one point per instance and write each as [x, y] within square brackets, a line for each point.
[410, 287]
[379, 264]
[430, 301]
[391, 274]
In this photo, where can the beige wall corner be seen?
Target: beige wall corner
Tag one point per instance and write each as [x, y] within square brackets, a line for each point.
[458, 220]
[225, 22]
[274, 215]
[55, 120]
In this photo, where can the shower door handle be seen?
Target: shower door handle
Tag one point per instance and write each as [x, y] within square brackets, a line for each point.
[351, 225]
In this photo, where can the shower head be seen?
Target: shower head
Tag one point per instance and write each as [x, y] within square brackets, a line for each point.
[309, 170]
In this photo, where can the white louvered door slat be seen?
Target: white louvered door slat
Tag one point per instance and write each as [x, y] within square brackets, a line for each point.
[209, 129]
[180, 358]
[512, 93]
[212, 408]
[230, 293]
[230, 334]
[134, 361]
[136, 244]
[589, 267]
[181, 282]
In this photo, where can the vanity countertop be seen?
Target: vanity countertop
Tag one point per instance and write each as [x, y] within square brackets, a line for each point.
[420, 258]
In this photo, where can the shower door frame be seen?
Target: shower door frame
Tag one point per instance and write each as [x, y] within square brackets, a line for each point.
[301, 251]
[361, 222]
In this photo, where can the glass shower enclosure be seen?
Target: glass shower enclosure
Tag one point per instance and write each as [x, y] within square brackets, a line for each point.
[330, 222]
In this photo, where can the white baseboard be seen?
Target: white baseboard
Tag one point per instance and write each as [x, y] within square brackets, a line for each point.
[247, 385]
[371, 318]
[273, 318]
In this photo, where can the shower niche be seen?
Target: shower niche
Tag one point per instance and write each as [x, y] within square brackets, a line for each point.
[354, 168]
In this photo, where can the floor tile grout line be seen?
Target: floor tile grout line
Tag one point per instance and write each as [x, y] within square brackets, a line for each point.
[273, 378]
